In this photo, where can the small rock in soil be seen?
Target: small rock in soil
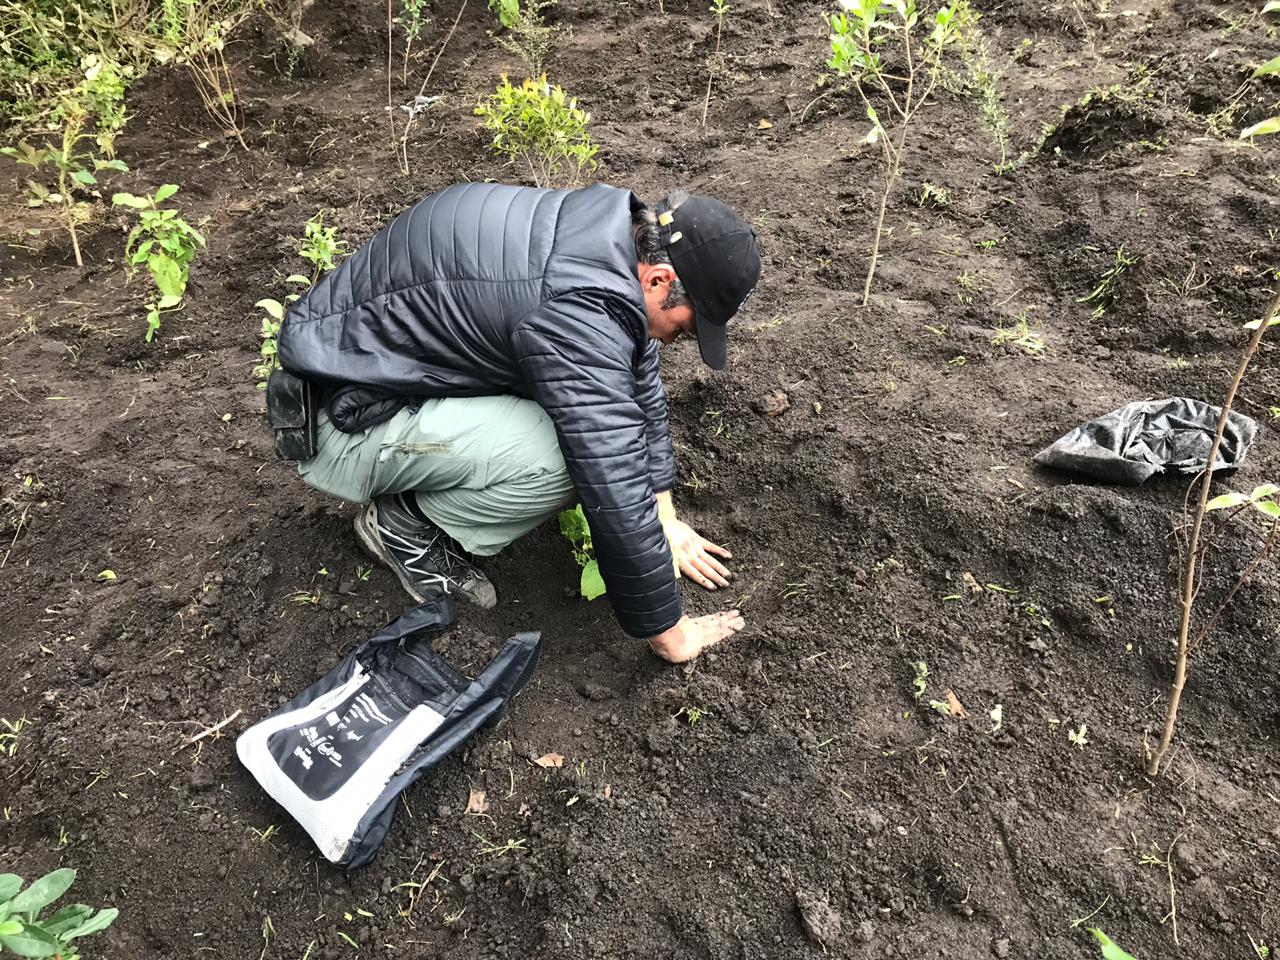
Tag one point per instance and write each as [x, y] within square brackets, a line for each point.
[819, 920]
[596, 691]
[866, 931]
[1001, 948]
[201, 778]
[772, 404]
[101, 665]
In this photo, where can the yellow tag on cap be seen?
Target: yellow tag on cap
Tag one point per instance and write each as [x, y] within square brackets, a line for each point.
[665, 218]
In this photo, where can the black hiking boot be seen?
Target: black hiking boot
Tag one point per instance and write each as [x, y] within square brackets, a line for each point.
[427, 560]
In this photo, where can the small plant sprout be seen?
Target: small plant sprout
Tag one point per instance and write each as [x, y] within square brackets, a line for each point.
[24, 933]
[574, 528]
[934, 196]
[320, 246]
[863, 35]
[920, 682]
[538, 126]
[1078, 736]
[1102, 295]
[997, 717]
[719, 8]
[166, 244]
[692, 715]
[1020, 336]
[9, 736]
[1109, 949]
[940, 706]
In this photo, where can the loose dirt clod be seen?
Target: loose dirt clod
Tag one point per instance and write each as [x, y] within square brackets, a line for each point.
[773, 404]
[819, 920]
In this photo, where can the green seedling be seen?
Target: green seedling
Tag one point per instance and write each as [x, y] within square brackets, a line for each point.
[1262, 499]
[75, 171]
[934, 196]
[320, 246]
[538, 126]
[528, 36]
[166, 244]
[1078, 736]
[1020, 336]
[940, 706]
[692, 715]
[1103, 294]
[864, 35]
[920, 682]
[274, 311]
[9, 738]
[24, 933]
[1109, 949]
[1271, 125]
[719, 8]
[574, 528]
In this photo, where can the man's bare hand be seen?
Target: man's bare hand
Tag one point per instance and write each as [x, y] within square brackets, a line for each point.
[695, 555]
[692, 635]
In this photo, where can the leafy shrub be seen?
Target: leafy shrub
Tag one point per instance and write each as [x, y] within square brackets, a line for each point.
[25, 934]
[541, 127]
[528, 35]
[574, 528]
[166, 244]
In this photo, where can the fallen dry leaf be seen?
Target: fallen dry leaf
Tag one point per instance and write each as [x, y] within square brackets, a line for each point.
[971, 583]
[954, 704]
[764, 124]
[550, 760]
[476, 803]
[607, 791]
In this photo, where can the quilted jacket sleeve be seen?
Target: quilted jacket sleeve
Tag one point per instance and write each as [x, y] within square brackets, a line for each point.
[653, 401]
[580, 371]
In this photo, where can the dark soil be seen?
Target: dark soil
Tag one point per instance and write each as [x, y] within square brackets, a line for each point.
[816, 805]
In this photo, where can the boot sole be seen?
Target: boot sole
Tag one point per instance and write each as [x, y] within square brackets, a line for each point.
[366, 525]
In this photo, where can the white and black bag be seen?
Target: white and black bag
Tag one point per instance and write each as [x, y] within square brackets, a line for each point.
[337, 755]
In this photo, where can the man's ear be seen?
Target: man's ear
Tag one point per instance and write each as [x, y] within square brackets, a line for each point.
[655, 275]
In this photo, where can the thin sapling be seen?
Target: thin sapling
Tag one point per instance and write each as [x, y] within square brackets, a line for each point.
[320, 246]
[863, 37]
[719, 8]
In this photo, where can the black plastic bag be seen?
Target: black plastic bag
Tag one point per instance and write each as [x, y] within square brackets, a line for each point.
[1130, 444]
[338, 755]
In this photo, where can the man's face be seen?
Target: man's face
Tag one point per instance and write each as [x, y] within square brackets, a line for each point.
[666, 324]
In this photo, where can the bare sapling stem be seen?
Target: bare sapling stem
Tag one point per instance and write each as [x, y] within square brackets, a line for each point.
[391, 116]
[715, 59]
[402, 148]
[1156, 756]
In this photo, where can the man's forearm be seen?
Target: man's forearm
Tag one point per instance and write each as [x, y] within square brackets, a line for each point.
[666, 509]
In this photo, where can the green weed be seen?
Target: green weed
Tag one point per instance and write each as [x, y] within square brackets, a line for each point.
[574, 528]
[24, 933]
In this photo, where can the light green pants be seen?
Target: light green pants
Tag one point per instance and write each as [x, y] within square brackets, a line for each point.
[486, 470]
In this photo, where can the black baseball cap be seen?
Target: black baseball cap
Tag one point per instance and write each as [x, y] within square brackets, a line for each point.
[714, 253]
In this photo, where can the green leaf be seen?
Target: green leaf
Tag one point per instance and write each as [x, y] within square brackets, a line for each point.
[1109, 950]
[592, 584]
[119, 165]
[170, 278]
[44, 891]
[10, 883]
[9, 927]
[168, 301]
[153, 324]
[85, 177]
[1255, 324]
[1262, 128]
[272, 307]
[99, 921]
[128, 200]
[1268, 68]
[1268, 508]
[299, 278]
[1225, 502]
[1271, 7]
[1264, 491]
[66, 918]
[31, 941]
[165, 192]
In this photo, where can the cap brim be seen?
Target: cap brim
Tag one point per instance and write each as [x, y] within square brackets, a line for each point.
[713, 342]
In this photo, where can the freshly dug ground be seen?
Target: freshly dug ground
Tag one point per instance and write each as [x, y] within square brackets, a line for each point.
[890, 515]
